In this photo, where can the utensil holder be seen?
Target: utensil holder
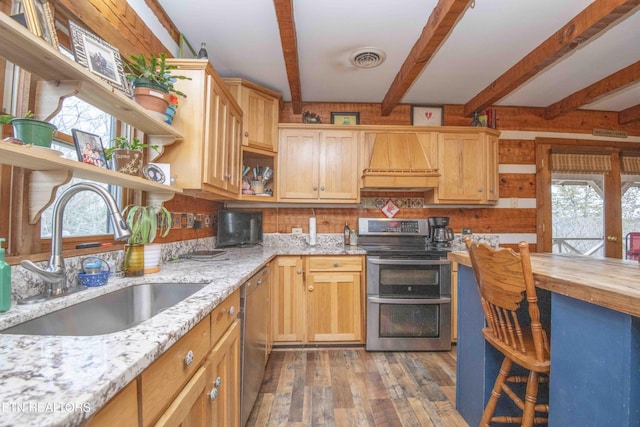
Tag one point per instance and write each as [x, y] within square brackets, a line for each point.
[257, 187]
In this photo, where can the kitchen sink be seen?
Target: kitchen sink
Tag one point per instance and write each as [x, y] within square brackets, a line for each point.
[108, 313]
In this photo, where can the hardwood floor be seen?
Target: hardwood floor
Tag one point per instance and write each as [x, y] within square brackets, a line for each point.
[353, 387]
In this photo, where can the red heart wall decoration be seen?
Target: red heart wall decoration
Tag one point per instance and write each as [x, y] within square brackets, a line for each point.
[428, 115]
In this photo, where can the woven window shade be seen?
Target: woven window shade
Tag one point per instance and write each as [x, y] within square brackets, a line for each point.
[631, 165]
[580, 163]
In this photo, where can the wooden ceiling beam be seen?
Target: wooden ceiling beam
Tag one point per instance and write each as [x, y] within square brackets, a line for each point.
[440, 23]
[629, 115]
[594, 19]
[288, 39]
[616, 81]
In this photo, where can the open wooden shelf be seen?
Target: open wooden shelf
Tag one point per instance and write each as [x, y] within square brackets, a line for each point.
[19, 46]
[50, 171]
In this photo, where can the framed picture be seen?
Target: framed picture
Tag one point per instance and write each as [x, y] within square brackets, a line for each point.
[345, 118]
[99, 57]
[427, 115]
[39, 19]
[89, 148]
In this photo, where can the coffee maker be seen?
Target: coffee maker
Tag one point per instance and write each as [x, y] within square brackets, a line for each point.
[440, 234]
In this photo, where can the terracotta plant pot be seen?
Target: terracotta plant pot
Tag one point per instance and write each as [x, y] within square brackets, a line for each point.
[127, 161]
[133, 265]
[151, 99]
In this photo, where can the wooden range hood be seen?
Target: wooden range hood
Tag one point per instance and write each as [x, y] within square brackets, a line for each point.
[400, 161]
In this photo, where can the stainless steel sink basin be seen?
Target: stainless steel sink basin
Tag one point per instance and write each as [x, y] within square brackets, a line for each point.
[112, 312]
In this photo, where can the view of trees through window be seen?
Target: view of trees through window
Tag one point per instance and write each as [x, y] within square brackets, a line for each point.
[578, 212]
[86, 212]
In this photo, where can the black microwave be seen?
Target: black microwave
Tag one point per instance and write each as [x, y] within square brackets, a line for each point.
[239, 228]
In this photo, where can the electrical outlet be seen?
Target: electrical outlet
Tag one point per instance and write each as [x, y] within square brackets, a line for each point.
[296, 230]
[514, 202]
[466, 230]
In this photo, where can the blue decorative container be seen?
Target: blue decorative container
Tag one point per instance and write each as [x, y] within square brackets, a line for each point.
[93, 280]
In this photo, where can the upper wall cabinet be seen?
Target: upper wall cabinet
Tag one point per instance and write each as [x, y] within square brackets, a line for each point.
[318, 165]
[468, 167]
[261, 113]
[207, 162]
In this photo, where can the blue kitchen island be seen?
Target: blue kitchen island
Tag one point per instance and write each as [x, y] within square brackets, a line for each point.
[592, 306]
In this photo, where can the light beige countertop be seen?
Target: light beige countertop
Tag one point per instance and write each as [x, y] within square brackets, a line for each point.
[607, 282]
[62, 380]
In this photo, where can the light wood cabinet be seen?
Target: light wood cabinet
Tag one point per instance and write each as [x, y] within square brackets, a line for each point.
[261, 113]
[121, 411]
[318, 166]
[207, 162]
[468, 167]
[288, 311]
[318, 299]
[223, 365]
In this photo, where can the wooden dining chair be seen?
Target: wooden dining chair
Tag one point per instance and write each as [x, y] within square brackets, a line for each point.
[504, 279]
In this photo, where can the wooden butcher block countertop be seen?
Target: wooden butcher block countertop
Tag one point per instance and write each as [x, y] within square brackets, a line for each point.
[607, 282]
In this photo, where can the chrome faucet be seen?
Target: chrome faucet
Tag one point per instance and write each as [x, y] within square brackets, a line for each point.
[55, 275]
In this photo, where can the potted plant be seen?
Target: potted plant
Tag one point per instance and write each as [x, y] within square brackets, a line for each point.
[152, 81]
[30, 130]
[127, 155]
[146, 222]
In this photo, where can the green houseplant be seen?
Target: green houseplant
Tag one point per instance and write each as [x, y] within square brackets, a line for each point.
[127, 155]
[30, 130]
[146, 222]
[152, 81]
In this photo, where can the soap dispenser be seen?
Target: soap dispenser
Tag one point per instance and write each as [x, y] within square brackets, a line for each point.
[5, 281]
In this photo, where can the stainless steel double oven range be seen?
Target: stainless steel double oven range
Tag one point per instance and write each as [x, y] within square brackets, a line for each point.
[408, 286]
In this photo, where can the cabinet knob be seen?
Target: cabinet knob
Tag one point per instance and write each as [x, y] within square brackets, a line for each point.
[299, 271]
[217, 383]
[246, 133]
[188, 358]
[310, 288]
[479, 189]
[315, 188]
[214, 394]
[322, 188]
[232, 310]
[335, 264]
[612, 238]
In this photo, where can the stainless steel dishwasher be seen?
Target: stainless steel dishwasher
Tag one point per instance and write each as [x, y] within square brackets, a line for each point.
[253, 312]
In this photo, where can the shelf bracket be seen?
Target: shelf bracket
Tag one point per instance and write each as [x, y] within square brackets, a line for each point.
[42, 190]
[50, 96]
[161, 141]
[157, 198]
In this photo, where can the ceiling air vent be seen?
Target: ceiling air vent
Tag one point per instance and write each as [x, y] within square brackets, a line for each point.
[367, 57]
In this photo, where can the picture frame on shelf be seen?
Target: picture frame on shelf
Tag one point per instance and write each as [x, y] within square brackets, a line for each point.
[89, 148]
[99, 57]
[427, 115]
[39, 19]
[340, 118]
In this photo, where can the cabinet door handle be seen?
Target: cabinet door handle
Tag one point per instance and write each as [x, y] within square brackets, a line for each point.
[246, 133]
[612, 238]
[232, 310]
[310, 288]
[322, 188]
[188, 358]
[480, 190]
[299, 271]
[217, 383]
[335, 264]
[214, 394]
[315, 188]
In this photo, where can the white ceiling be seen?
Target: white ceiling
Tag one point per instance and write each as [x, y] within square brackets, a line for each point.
[243, 40]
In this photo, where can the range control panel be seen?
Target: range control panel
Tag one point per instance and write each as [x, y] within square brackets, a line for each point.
[384, 226]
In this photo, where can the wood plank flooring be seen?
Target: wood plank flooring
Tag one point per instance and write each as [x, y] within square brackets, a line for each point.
[353, 387]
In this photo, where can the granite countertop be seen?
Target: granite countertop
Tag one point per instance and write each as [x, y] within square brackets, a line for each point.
[55, 380]
[607, 282]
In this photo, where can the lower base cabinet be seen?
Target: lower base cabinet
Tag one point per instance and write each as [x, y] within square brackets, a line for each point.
[318, 299]
[121, 411]
[224, 379]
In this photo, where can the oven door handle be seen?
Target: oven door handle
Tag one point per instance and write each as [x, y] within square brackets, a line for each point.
[410, 301]
[387, 261]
